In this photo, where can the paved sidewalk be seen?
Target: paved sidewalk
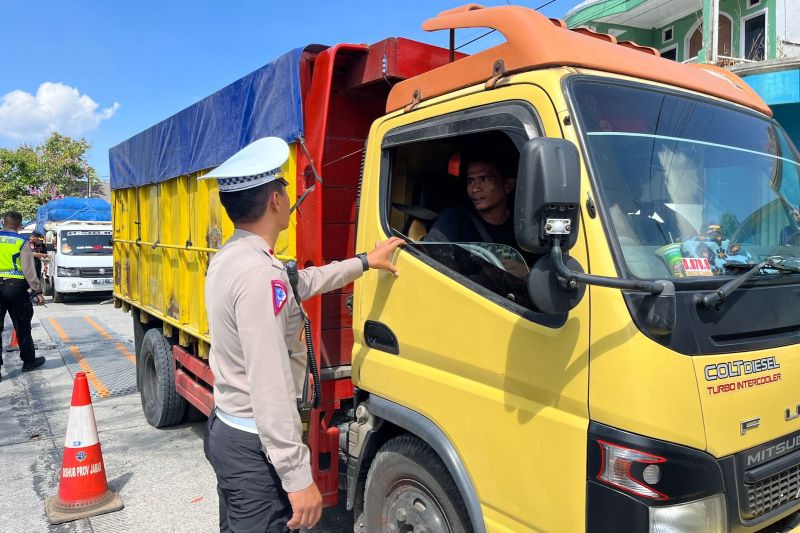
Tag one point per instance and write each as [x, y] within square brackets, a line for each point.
[163, 478]
[162, 475]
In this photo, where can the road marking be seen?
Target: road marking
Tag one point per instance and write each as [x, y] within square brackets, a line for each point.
[58, 329]
[128, 355]
[87, 368]
[97, 327]
[121, 347]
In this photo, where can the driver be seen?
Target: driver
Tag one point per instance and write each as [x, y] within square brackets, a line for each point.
[488, 219]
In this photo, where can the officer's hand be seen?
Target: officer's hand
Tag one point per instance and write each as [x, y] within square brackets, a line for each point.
[381, 255]
[39, 299]
[306, 508]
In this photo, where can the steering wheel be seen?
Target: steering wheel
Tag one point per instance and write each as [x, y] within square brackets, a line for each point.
[483, 253]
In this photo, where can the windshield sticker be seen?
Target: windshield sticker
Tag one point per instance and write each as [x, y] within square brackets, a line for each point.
[733, 369]
[93, 232]
[697, 266]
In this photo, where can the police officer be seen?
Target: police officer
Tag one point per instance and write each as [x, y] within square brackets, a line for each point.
[17, 274]
[254, 438]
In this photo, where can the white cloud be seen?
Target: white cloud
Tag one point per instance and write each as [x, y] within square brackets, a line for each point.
[54, 107]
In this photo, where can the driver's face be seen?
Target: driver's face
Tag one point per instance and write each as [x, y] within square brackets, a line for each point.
[486, 187]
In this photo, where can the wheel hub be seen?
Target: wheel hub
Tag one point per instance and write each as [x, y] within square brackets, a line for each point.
[411, 508]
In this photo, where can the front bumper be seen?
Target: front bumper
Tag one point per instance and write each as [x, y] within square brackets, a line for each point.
[73, 285]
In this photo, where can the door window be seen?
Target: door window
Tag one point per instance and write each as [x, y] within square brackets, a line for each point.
[450, 191]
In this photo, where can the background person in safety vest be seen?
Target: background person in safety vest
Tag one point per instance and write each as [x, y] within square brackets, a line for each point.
[17, 275]
[254, 439]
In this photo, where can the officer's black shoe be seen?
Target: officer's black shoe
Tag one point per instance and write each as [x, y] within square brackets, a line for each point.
[38, 362]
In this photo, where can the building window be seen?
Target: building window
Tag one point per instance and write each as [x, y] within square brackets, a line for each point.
[752, 3]
[724, 38]
[754, 41]
[670, 53]
[667, 34]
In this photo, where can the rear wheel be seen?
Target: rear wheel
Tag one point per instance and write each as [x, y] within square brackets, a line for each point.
[162, 404]
[409, 489]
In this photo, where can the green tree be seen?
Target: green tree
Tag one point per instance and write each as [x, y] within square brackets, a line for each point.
[32, 175]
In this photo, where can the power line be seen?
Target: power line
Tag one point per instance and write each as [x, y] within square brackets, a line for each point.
[544, 5]
[644, 12]
[492, 31]
[475, 39]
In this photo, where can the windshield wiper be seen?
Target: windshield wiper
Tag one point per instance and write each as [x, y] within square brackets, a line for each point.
[716, 299]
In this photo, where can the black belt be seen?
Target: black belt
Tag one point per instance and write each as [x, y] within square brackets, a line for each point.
[13, 280]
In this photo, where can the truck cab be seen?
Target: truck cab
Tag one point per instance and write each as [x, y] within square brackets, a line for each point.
[81, 258]
[649, 386]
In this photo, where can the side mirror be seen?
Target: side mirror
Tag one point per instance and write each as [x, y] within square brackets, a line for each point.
[50, 247]
[547, 195]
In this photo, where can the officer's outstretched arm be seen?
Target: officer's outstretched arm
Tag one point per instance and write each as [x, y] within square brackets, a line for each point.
[315, 280]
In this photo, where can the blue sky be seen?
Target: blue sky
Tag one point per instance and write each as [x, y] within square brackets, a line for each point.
[107, 70]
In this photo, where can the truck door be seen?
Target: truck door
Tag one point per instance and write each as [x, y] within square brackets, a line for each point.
[455, 337]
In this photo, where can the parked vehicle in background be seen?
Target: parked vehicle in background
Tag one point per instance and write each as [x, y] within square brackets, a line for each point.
[78, 237]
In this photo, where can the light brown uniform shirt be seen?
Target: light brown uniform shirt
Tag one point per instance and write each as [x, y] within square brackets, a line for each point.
[29, 267]
[252, 329]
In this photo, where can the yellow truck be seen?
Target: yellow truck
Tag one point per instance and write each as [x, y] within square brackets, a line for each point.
[630, 365]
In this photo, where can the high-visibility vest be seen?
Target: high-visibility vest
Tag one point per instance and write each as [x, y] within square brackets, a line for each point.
[10, 247]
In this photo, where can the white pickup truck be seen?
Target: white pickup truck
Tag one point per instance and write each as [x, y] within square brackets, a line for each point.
[80, 256]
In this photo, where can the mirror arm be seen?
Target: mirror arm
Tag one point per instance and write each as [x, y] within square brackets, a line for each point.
[572, 278]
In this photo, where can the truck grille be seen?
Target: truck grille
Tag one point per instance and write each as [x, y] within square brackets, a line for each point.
[105, 272]
[773, 492]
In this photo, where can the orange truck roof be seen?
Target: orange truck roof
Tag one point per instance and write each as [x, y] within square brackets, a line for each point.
[533, 41]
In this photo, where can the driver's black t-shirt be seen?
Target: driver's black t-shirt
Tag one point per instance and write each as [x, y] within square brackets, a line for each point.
[458, 224]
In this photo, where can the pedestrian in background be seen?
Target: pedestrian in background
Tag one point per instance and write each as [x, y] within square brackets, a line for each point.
[254, 438]
[39, 252]
[17, 277]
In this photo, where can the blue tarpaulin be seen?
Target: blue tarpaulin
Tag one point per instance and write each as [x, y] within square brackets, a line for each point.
[266, 102]
[82, 209]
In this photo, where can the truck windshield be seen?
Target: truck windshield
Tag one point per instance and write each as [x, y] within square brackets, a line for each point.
[86, 242]
[691, 188]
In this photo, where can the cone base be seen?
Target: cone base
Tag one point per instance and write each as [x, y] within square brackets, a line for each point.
[59, 512]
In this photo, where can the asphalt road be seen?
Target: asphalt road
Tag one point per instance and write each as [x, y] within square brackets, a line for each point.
[162, 475]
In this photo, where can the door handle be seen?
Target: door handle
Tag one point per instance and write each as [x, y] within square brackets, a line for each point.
[378, 335]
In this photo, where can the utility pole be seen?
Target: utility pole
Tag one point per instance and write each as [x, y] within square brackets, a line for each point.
[710, 52]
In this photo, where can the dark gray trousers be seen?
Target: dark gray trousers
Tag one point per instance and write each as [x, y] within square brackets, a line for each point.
[251, 498]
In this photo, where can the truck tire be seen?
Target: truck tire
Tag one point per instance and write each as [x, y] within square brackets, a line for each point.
[162, 404]
[47, 287]
[409, 489]
[139, 330]
[58, 297]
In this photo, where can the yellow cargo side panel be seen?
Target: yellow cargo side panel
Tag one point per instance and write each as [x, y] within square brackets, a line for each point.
[164, 237]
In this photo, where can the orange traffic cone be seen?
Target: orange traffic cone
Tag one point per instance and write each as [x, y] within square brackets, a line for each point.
[83, 489]
[14, 346]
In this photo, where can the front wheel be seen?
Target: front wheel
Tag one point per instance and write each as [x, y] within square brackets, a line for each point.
[162, 404]
[58, 297]
[409, 489]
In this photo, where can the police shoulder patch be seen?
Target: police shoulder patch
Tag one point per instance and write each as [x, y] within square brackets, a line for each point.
[279, 295]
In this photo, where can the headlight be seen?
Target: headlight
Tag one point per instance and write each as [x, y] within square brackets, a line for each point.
[707, 515]
[69, 272]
